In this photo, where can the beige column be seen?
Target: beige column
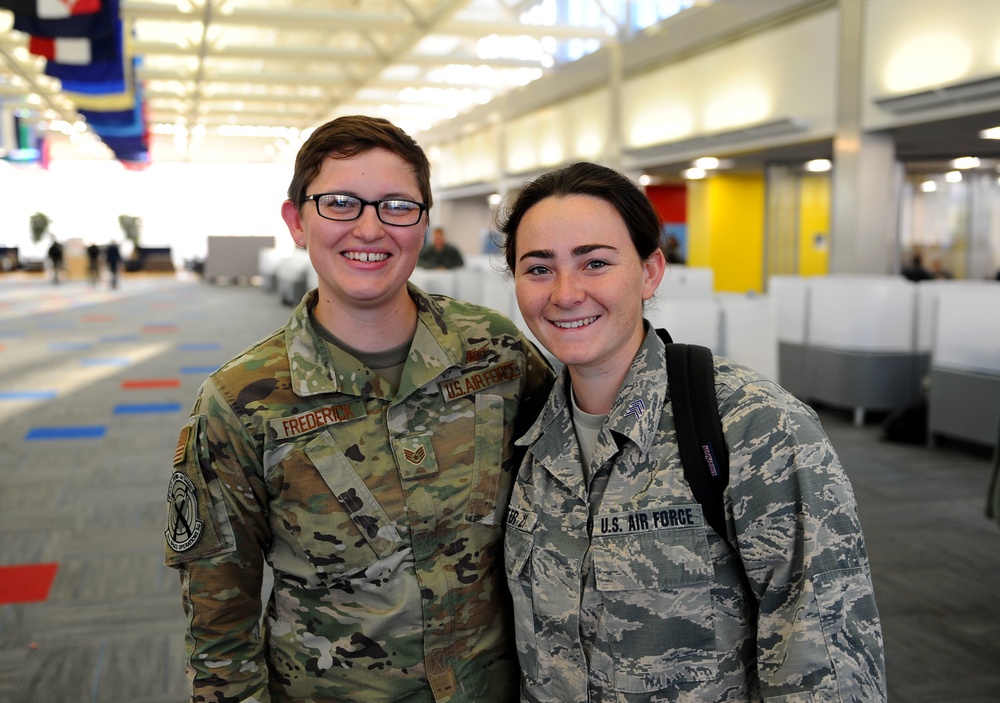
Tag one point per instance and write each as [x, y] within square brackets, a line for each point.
[866, 177]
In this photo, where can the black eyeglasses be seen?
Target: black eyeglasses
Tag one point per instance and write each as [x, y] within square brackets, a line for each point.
[344, 208]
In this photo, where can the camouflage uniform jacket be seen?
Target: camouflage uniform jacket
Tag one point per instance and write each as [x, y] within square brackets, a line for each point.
[379, 509]
[623, 593]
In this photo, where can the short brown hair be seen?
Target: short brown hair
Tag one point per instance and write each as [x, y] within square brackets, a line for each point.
[350, 136]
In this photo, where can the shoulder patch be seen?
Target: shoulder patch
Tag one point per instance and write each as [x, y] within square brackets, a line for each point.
[184, 529]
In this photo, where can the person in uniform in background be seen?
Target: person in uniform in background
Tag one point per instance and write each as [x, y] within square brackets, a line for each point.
[365, 452]
[55, 255]
[113, 258]
[94, 264]
[613, 601]
[672, 251]
[439, 254]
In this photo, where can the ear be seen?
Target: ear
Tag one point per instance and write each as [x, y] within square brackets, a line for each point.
[290, 214]
[652, 273]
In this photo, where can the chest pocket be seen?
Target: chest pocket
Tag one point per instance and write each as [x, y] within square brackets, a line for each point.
[327, 515]
[657, 591]
[517, 551]
[462, 457]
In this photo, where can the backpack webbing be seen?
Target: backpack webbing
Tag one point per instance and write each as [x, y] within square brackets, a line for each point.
[702, 446]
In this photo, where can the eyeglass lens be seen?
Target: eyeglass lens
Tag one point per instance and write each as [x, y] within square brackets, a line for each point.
[333, 206]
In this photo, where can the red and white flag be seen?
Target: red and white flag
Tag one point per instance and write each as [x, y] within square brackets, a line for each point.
[74, 51]
[56, 9]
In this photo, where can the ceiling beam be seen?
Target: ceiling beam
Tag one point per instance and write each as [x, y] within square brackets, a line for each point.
[326, 55]
[348, 20]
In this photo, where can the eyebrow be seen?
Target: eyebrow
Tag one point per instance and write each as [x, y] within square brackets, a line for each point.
[577, 251]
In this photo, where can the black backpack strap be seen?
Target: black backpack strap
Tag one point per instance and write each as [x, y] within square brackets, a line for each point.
[702, 446]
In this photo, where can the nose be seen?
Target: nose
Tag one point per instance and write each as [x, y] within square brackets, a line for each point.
[566, 290]
[368, 226]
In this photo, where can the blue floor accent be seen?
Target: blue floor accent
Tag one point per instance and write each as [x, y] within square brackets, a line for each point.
[199, 369]
[105, 361]
[200, 346]
[70, 346]
[27, 395]
[45, 433]
[120, 338]
[147, 408]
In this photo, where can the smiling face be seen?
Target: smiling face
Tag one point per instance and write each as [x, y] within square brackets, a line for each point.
[580, 283]
[363, 265]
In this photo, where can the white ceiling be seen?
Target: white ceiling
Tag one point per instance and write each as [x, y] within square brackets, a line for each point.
[228, 79]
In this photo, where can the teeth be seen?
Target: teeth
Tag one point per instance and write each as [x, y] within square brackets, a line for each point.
[365, 256]
[575, 324]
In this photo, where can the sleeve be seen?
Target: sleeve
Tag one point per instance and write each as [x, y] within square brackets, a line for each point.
[215, 537]
[798, 534]
[539, 378]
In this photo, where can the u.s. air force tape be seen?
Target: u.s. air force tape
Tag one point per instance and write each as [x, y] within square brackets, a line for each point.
[295, 425]
[667, 517]
[475, 381]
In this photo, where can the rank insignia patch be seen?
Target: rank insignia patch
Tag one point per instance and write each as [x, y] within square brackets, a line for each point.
[415, 456]
[183, 526]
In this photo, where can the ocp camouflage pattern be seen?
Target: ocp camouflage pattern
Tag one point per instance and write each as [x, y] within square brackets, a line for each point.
[379, 509]
[622, 593]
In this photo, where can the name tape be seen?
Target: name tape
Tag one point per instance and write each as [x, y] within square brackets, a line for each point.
[310, 420]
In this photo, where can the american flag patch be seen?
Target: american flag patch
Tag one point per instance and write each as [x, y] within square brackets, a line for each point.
[181, 450]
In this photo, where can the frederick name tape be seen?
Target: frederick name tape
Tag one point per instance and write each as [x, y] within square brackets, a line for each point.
[310, 420]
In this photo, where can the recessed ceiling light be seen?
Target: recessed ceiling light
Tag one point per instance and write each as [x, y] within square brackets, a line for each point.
[991, 133]
[693, 173]
[928, 186]
[966, 162]
[819, 165]
[706, 163]
[953, 176]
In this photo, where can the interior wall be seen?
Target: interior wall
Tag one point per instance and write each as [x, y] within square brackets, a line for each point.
[181, 205]
[786, 71]
[466, 221]
[916, 45]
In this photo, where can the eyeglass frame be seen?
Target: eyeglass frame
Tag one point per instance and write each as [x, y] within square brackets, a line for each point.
[422, 208]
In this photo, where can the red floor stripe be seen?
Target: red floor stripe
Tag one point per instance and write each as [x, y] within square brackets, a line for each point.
[26, 583]
[151, 383]
[98, 318]
[159, 328]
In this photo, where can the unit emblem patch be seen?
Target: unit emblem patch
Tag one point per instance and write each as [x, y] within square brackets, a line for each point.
[183, 526]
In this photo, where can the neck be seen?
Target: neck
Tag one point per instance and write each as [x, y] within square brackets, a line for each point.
[596, 387]
[595, 393]
[372, 329]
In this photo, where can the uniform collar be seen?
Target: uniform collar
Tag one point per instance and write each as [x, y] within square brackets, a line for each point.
[317, 367]
[634, 416]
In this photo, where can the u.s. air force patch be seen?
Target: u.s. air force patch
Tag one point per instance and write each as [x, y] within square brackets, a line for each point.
[475, 381]
[183, 526]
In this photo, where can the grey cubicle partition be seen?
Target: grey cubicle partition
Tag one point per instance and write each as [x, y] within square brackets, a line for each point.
[234, 257]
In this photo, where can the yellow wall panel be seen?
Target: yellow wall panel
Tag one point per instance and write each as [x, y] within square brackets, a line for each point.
[726, 230]
[814, 225]
[699, 239]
